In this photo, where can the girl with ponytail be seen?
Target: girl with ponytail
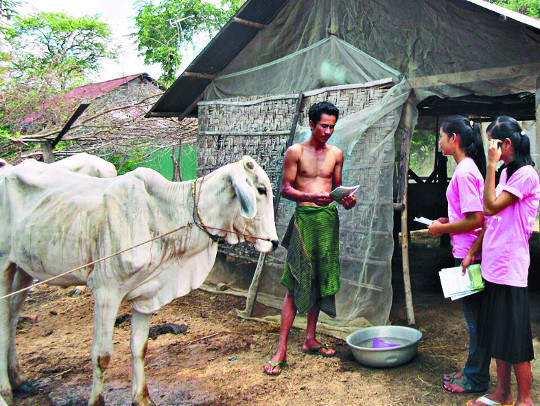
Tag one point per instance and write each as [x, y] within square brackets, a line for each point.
[510, 209]
[461, 138]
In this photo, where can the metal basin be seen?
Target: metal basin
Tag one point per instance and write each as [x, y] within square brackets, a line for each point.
[400, 345]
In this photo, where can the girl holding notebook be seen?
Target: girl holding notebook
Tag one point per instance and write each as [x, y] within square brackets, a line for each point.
[511, 207]
[461, 138]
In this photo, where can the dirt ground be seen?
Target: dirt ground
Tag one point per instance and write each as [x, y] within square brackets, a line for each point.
[219, 359]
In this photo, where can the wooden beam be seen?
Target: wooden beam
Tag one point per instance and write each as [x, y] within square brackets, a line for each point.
[404, 168]
[198, 75]
[191, 107]
[160, 114]
[248, 23]
[82, 107]
[530, 69]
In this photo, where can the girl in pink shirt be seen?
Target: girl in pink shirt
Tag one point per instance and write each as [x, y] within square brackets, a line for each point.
[461, 139]
[511, 207]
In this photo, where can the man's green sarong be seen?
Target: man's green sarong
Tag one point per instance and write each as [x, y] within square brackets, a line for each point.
[312, 268]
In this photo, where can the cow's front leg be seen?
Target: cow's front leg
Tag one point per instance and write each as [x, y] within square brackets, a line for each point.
[140, 324]
[7, 270]
[106, 304]
[21, 280]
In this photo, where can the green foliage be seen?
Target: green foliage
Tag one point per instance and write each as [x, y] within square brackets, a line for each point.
[166, 28]
[422, 152]
[7, 9]
[125, 164]
[528, 7]
[73, 46]
[31, 98]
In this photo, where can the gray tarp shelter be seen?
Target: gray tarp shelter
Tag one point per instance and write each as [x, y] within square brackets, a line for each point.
[439, 57]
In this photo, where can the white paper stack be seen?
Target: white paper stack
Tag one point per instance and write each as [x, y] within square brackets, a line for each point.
[456, 285]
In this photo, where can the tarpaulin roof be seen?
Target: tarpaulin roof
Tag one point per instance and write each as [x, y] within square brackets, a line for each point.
[445, 48]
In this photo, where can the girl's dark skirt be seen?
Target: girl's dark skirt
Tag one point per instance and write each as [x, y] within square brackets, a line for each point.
[505, 323]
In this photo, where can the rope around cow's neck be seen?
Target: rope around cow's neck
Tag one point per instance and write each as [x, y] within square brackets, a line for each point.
[197, 221]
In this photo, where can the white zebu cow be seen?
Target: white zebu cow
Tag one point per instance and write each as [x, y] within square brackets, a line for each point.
[52, 223]
[82, 163]
[87, 164]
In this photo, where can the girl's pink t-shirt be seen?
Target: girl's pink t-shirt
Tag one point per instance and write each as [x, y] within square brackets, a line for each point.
[465, 195]
[506, 241]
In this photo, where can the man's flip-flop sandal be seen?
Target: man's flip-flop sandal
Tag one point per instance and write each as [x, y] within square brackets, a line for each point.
[282, 365]
[486, 401]
[317, 351]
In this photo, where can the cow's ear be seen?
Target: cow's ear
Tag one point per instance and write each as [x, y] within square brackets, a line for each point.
[249, 163]
[246, 196]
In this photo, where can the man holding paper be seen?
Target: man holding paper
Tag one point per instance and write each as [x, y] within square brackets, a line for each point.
[311, 171]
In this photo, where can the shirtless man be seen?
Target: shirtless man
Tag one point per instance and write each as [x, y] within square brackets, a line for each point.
[311, 170]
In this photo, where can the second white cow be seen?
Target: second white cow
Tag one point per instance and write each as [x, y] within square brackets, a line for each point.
[87, 164]
[53, 222]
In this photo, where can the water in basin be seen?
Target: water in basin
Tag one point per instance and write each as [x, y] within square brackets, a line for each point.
[384, 342]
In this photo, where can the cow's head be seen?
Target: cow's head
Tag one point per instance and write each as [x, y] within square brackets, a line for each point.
[253, 191]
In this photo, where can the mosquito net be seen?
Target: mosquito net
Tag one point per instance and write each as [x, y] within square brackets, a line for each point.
[370, 97]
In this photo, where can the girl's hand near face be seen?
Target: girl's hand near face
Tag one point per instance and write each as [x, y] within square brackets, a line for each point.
[494, 151]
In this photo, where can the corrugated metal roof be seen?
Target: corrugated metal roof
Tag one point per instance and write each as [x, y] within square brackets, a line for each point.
[90, 92]
[181, 98]
[93, 90]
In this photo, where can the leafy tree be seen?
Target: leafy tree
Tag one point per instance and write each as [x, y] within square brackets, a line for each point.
[73, 46]
[422, 150]
[7, 9]
[529, 7]
[166, 28]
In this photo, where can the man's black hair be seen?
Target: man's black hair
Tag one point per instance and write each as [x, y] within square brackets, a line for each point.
[318, 109]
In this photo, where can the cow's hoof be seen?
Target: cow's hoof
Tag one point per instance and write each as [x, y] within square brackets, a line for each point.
[100, 401]
[146, 401]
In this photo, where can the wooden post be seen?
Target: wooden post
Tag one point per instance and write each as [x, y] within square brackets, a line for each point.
[254, 287]
[177, 163]
[404, 167]
[48, 156]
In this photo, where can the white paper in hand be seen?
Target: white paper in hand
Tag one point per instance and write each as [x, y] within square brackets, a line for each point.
[342, 191]
[423, 220]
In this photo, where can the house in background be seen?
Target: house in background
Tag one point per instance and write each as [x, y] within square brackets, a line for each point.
[108, 119]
